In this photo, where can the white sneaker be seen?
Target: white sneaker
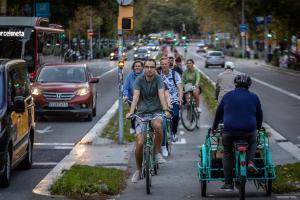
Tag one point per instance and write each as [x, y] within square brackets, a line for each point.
[132, 131]
[199, 109]
[160, 159]
[136, 176]
[164, 151]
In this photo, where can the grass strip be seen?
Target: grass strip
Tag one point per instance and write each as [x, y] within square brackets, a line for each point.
[288, 178]
[208, 92]
[82, 181]
[112, 129]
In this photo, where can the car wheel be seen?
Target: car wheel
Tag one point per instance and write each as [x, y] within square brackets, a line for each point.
[27, 162]
[223, 65]
[6, 175]
[89, 118]
[206, 66]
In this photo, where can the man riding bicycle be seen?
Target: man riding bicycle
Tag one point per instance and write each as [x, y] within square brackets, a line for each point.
[148, 99]
[240, 110]
[191, 76]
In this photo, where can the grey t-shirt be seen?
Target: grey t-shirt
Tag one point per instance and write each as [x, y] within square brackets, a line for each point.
[149, 99]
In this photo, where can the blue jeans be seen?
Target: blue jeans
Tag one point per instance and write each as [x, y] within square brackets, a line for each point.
[164, 142]
[175, 117]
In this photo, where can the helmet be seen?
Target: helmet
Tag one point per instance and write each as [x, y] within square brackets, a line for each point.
[229, 65]
[242, 80]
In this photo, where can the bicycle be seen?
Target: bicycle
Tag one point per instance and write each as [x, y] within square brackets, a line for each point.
[149, 164]
[189, 115]
[169, 135]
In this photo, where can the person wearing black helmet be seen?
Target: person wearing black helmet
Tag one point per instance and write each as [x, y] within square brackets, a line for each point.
[240, 110]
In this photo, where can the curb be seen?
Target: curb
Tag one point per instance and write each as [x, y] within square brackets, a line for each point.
[280, 140]
[43, 187]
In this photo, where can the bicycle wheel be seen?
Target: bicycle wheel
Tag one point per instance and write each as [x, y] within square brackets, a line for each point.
[148, 169]
[242, 188]
[188, 118]
[268, 186]
[203, 186]
[169, 138]
[155, 163]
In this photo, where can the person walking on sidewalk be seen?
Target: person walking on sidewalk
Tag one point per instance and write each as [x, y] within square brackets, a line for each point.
[240, 110]
[173, 81]
[148, 99]
[137, 69]
[225, 81]
[191, 76]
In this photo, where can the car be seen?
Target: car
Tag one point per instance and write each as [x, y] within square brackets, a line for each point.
[201, 47]
[115, 54]
[142, 54]
[215, 58]
[152, 47]
[65, 89]
[17, 119]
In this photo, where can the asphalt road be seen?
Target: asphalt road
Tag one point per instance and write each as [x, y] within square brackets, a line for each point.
[277, 91]
[55, 137]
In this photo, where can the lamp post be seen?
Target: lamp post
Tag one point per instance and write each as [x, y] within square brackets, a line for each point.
[243, 22]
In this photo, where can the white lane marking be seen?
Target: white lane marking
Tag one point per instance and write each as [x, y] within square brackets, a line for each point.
[298, 137]
[102, 75]
[62, 147]
[44, 163]
[205, 126]
[45, 130]
[286, 197]
[180, 141]
[277, 88]
[181, 132]
[53, 144]
[181, 126]
[274, 133]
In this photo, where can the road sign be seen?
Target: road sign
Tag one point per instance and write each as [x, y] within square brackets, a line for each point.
[243, 27]
[125, 2]
[42, 9]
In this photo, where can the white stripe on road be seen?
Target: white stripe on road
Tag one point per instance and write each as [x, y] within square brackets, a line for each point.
[205, 126]
[102, 75]
[53, 144]
[180, 141]
[44, 163]
[181, 126]
[181, 132]
[277, 88]
[286, 197]
[63, 147]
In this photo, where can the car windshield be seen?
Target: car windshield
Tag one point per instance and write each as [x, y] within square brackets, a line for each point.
[216, 54]
[62, 74]
[142, 51]
[151, 44]
[2, 91]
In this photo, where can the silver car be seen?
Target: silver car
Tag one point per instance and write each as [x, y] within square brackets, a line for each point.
[215, 58]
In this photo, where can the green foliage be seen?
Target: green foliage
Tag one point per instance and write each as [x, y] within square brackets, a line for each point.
[83, 180]
[208, 92]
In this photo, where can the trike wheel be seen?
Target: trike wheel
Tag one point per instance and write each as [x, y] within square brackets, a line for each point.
[242, 188]
[203, 186]
[268, 187]
[188, 118]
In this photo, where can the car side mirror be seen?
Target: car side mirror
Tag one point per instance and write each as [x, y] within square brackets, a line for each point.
[19, 104]
[94, 80]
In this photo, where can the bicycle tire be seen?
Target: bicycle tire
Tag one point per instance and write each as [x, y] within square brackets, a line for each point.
[242, 188]
[169, 138]
[268, 186]
[203, 186]
[189, 125]
[148, 169]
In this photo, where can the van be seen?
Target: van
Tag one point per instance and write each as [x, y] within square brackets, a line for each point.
[16, 118]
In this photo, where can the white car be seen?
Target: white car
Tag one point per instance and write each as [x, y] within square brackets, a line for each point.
[214, 58]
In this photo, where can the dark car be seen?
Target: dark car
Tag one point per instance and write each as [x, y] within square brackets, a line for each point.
[16, 119]
[67, 89]
[115, 54]
[141, 54]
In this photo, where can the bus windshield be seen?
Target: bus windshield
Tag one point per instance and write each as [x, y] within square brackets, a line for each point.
[10, 48]
[2, 90]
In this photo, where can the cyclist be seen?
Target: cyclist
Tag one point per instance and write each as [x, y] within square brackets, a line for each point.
[225, 81]
[178, 67]
[171, 61]
[192, 76]
[137, 69]
[148, 99]
[240, 110]
[173, 81]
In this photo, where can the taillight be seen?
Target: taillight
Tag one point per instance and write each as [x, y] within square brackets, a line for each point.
[242, 148]
[243, 163]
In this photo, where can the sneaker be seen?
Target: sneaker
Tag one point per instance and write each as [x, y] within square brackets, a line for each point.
[174, 138]
[160, 159]
[164, 151]
[252, 168]
[136, 176]
[132, 131]
[227, 187]
[199, 109]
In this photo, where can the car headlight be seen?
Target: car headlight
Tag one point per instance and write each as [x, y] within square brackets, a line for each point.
[149, 52]
[135, 48]
[112, 54]
[124, 54]
[82, 91]
[36, 91]
[135, 55]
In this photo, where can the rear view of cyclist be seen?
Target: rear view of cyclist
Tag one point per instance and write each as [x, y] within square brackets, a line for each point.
[240, 110]
[192, 76]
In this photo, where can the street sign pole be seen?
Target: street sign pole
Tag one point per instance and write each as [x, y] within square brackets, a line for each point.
[120, 80]
[243, 22]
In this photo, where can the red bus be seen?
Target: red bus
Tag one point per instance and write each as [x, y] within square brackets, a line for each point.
[32, 39]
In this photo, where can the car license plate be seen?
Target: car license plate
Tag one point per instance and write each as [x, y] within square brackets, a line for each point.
[58, 104]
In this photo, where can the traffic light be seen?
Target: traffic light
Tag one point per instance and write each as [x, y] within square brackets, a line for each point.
[183, 35]
[269, 35]
[127, 23]
[125, 19]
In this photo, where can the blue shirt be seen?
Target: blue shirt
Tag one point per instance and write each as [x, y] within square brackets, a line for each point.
[240, 111]
[128, 85]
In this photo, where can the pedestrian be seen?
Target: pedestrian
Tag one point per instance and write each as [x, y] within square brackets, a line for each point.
[137, 70]
[225, 81]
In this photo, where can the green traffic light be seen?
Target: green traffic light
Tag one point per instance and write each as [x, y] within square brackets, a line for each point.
[269, 35]
[183, 37]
